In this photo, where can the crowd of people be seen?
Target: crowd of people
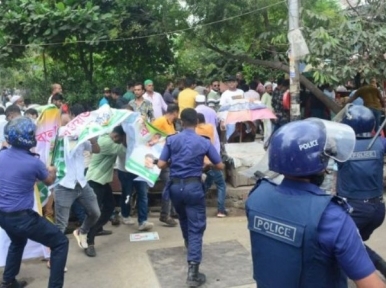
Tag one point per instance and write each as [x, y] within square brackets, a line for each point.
[189, 115]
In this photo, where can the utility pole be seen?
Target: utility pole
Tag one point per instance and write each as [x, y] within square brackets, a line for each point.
[293, 14]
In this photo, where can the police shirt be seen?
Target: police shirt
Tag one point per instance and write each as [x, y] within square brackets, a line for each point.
[338, 234]
[186, 151]
[19, 170]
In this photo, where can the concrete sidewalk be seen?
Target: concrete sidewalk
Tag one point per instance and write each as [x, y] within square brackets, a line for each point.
[124, 264]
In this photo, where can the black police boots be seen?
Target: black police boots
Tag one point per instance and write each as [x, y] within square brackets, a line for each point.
[195, 278]
[14, 284]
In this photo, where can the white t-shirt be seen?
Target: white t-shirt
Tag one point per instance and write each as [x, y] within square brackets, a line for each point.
[230, 98]
[120, 163]
[3, 122]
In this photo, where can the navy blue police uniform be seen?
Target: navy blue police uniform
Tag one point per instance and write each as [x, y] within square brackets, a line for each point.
[304, 237]
[360, 179]
[300, 236]
[186, 152]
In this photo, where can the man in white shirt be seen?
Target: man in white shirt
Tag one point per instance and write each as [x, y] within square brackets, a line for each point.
[55, 88]
[159, 105]
[72, 186]
[252, 94]
[230, 97]
[3, 122]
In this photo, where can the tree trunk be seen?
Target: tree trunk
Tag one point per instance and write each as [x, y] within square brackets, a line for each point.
[44, 65]
[330, 104]
[91, 62]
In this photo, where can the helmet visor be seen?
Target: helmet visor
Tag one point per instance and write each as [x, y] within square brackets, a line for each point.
[340, 140]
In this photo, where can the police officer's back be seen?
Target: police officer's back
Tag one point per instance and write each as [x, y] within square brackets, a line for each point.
[300, 236]
[184, 153]
[360, 179]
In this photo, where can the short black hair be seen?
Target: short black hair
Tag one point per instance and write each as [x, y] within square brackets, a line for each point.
[116, 91]
[127, 107]
[2, 111]
[130, 84]
[200, 83]
[31, 111]
[77, 109]
[200, 118]
[12, 109]
[253, 85]
[57, 97]
[27, 102]
[285, 83]
[119, 130]
[244, 87]
[214, 80]
[189, 82]
[139, 84]
[189, 117]
[172, 108]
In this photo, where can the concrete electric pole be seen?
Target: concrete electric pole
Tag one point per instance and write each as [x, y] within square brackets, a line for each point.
[293, 13]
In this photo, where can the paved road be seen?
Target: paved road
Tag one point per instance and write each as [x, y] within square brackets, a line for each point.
[123, 264]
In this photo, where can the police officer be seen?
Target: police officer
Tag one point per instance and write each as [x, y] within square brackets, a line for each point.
[19, 169]
[184, 153]
[300, 236]
[360, 180]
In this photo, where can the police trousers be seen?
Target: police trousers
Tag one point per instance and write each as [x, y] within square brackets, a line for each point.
[27, 224]
[188, 199]
[368, 215]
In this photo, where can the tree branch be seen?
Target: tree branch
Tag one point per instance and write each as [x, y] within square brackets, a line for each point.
[277, 65]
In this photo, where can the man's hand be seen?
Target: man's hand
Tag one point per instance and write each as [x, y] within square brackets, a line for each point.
[51, 169]
[94, 140]
[222, 126]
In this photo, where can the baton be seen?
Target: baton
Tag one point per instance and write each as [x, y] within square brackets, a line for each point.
[376, 134]
[54, 148]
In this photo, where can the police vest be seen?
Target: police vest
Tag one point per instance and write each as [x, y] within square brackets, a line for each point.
[284, 240]
[361, 177]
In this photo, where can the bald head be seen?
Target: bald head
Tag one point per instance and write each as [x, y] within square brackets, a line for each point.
[56, 88]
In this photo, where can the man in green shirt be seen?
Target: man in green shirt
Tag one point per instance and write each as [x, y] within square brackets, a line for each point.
[129, 95]
[100, 173]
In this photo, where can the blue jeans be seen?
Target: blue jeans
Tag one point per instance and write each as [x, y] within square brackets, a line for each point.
[368, 216]
[166, 204]
[23, 225]
[189, 201]
[128, 184]
[230, 129]
[78, 210]
[217, 177]
[377, 114]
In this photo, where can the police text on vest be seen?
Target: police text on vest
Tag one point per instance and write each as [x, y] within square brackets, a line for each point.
[275, 228]
[308, 145]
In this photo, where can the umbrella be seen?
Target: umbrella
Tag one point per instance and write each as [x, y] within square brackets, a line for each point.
[248, 111]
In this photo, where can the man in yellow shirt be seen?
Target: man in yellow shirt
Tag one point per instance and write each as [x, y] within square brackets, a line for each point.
[372, 99]
[165, 123]
[187, 97]
[204, 129]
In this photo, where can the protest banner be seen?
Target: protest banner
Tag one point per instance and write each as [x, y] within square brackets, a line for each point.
[95, 123]
[148, 145]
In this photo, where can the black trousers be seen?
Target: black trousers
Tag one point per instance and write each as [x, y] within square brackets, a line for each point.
[105, 198]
